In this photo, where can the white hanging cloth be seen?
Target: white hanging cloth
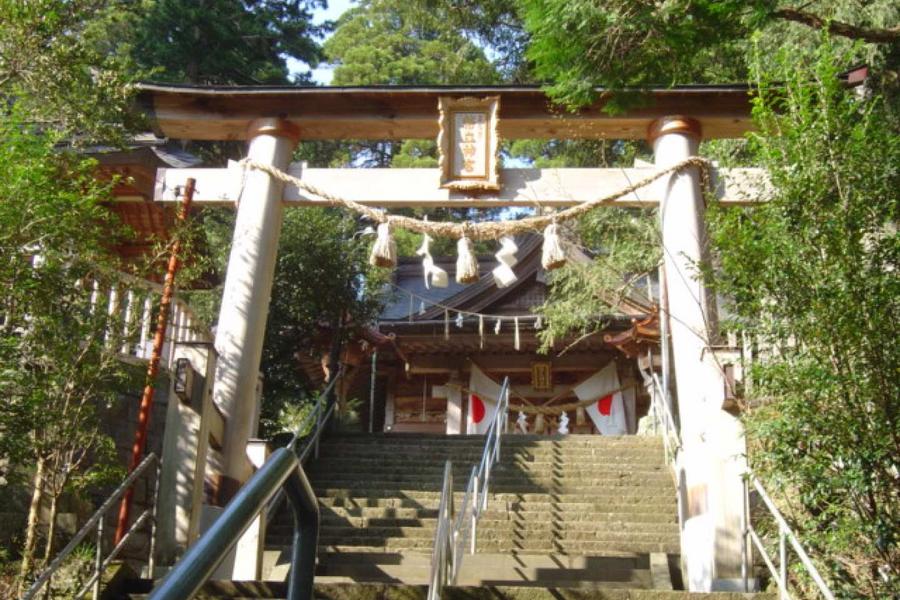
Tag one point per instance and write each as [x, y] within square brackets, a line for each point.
[483, 395]
[608, 411]
[503, 274]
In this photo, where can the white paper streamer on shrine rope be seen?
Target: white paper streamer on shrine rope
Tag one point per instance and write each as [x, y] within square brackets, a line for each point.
[497, 326]
[504, 276]
[459, 320]
[433, 274]
[481, 332]
[507, 252]
[516, 344]
[538, 323]
[424, 302]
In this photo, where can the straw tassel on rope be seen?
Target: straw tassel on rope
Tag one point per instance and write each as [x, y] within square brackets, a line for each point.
[553, 255]
[384, 251]
[466, 263]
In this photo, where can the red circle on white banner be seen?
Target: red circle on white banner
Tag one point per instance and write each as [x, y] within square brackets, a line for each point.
[604, 405]
[477, 409]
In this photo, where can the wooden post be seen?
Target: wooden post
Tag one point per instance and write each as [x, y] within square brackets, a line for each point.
[140, 436]
[245, 301]
[713, 442]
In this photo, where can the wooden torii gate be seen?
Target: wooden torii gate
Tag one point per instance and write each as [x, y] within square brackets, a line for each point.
[273, 120]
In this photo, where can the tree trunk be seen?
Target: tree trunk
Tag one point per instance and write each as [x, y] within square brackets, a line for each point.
[34, 515]
[51, 527]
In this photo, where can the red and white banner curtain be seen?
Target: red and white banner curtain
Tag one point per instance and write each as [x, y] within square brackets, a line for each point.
[483, 395]
[607, 412]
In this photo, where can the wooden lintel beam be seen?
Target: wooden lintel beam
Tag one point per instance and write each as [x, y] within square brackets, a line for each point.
[393, 113]
[420, 187]
[507, 363]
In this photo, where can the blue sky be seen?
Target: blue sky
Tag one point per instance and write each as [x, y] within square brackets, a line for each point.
[323, 74]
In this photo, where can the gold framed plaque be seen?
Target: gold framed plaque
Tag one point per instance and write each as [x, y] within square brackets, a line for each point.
[541, 377]
[468, 143]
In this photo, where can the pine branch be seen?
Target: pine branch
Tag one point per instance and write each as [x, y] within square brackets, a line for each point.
[855, 32]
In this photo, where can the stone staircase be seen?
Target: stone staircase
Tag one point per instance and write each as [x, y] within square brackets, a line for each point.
[569, 518]
[587, 512]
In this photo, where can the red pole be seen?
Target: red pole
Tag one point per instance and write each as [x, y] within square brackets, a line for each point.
[162, 320]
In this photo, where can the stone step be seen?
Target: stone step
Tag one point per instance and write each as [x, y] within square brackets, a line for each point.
[523, 452]
[501, 473]
[596, 495]
[501, 569]
[520, 524]
[460, 470]
[495, 519]
[516, 505]
[512, 443]
[498, 484]
[376, 535]
[462, 461]
[365, 460]
[566, 534]
[554, 447]
[512, 440]
[630, 543]
[575, 512]
[271, 590]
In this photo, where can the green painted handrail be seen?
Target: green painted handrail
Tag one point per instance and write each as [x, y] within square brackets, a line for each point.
[282, 470]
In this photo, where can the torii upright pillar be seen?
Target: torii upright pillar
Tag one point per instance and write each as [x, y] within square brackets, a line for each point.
[245, 299]
[713, 455]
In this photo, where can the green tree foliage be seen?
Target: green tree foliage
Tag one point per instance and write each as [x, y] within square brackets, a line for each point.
[225, 41]
[577, 45]
[389, 42]
[59, 362]
[58, 67]
[813, 278]
[323, 288]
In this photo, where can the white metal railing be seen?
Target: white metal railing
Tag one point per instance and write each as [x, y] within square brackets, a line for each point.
[443, 555]
[452, 534]
[133, 300]
[785, 535]
[660, 406]
[750, 537]
[97, 523]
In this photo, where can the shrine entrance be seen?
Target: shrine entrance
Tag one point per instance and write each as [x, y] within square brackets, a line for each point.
[469, 124]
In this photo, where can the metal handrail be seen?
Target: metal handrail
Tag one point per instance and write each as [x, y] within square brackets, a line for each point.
[450, 534]
[281, 476]
[96, 521]
[785, 535]
[442, 554]
[310, 440]
[672, 447]
[282, 470]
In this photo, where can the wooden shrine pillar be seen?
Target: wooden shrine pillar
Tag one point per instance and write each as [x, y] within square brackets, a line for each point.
[713, 442]
[245, 299]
